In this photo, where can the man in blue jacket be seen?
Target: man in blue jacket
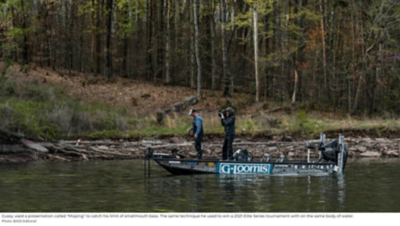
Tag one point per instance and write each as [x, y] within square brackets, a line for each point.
[228, 121]
[198, 131]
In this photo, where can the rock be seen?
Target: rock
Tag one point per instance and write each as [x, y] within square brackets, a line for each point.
[352, 149]
[160, 117]
[287, 139]
[368, 140]
[392, 153]
[181, 106]
[370, 154]
[175, 140]
[110, 97]
[276, 138]
[166, 111]
[191, 100]
[274, 142]
[361, 148]
[290, 148]
[102, 147]
[272, 149]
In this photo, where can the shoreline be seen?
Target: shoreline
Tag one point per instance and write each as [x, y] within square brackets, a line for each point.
[66, 151]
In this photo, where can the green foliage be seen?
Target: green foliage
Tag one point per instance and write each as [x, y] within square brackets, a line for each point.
[245, 19]
[43, 111]
[303, 124]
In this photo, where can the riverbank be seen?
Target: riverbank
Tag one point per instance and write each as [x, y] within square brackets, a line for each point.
[114, 120]
[64, 151]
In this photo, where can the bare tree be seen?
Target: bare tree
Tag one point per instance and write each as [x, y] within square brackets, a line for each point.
[107, 54]
[255, 18]
[196, 43]
[224, 51]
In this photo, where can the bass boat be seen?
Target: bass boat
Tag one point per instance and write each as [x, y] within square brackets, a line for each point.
[332, 159]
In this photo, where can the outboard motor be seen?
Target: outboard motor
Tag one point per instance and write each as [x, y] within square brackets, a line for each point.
[334, 151]
[242, 155]
[329, 151]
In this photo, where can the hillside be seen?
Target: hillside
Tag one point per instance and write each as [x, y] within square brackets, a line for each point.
[120, 92]
[54, 105]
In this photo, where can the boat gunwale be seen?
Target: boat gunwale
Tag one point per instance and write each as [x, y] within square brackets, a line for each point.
[247, 162]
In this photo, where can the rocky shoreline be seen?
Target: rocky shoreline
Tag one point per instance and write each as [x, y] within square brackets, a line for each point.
[28, 151]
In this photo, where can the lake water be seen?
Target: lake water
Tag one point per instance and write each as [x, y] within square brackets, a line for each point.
[368, 185]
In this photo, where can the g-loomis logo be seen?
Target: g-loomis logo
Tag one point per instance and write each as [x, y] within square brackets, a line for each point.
[240, 168]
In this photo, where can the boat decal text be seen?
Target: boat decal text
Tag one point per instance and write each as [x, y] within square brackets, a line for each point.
[243, 168]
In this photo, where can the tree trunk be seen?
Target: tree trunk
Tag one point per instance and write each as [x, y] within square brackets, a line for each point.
[107, 54]
[192, 48]
[350, 80]
[213, 61]
[224, 51]
[196, 27]
[256, 52]
[326, 87]
[125, 41]
[296, 79]
[358, 91]
[25, 46]
[96, 38]
[168, 46]
[149, 55]
[159, 33]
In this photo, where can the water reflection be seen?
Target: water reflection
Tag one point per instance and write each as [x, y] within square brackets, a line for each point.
[267, 193]
[120, 186]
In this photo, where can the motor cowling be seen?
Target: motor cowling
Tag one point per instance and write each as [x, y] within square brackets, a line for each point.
[330, 152]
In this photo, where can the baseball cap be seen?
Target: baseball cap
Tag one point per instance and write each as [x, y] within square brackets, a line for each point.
[192, 111]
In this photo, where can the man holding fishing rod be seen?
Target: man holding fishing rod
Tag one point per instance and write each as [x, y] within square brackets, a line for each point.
[228, 121]
[198, 131]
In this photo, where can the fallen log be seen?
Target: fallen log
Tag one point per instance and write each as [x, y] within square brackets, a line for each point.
[13, 149]
[167, 146]
[58, 158]
[108, 153]
[34, 146]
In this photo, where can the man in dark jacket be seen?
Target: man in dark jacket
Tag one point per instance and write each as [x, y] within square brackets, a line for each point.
[198, 131]
[228, 121]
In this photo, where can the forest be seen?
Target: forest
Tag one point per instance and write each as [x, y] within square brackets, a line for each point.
[333, 54]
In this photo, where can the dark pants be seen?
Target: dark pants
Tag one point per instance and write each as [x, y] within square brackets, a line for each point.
[197, 146]
[227, 149]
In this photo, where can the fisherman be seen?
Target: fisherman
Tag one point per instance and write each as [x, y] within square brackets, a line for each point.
[228, 121]
[197, 130]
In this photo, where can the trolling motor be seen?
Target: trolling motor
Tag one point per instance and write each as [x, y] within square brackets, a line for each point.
[243, 155]
[148, 154]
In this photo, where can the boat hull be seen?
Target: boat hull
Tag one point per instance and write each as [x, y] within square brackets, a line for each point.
[215, 166]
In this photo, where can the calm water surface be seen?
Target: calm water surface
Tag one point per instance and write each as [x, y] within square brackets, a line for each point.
[120, 186]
